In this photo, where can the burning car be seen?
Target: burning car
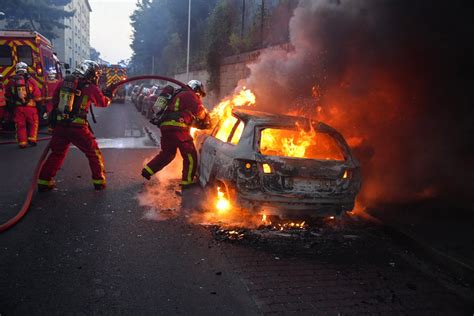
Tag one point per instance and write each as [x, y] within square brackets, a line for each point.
[292, 165]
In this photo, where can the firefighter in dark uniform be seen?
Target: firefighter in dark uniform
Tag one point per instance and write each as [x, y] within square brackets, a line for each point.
[182, 112]
[72, 102]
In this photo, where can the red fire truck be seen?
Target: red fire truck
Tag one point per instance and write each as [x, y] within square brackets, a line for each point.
[36, 51]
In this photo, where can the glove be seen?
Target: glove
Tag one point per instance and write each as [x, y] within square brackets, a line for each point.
[204, 123]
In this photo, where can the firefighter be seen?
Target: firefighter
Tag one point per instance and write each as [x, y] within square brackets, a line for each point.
[3, 103]
[72, 102]
[53, 83]
[184, 110]
[23, 94]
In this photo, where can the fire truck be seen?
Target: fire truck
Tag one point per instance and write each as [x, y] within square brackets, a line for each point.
[112, 74]
[36, 51]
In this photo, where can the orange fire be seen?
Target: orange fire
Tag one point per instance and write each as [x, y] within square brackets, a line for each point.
[224, 108]
[299, 143]
[222, 204]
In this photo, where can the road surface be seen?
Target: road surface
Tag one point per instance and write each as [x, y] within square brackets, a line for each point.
[84, 252]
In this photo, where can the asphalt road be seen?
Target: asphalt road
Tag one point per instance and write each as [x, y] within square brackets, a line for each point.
[84, 252]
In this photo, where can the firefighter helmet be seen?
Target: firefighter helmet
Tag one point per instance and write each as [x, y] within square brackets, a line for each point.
[21, 68]
[198, 87]
[52, 74]
[89, 70]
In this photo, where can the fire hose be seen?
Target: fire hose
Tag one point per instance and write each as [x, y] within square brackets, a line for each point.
[29, 195]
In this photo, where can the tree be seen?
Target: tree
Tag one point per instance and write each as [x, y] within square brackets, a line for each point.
[160, 34]
[37, 15]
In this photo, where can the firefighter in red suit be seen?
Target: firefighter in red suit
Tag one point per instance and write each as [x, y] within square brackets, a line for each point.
[184, 110]
[22, 94]
[72, 102]
[3, 102]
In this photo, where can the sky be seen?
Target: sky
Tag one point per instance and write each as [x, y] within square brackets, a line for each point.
[111, 31]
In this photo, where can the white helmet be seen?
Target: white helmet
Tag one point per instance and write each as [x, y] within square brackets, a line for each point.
[52, 74]
[198, 87]
[89, 70]
[21, 68]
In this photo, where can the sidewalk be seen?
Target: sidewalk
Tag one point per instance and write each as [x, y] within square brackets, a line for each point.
[445, 231]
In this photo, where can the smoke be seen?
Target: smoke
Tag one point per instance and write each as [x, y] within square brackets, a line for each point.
[158, 194]
[395, 77]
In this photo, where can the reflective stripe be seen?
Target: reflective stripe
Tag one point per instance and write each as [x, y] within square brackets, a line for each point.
[33, 139]
[77, 120]
[174, 123]
[186, 182]
[176, 105]
[85, 100]
[148, 169]
[101, 163]
[98, 181]
[46, 182]
[190, 167]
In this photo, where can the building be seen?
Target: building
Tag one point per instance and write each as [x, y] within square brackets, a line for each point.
[72, 45]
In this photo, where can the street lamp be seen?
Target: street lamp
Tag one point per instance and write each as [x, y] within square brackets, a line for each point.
[189, 39]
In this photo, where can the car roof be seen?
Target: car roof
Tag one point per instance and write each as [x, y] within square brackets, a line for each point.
[265, 118]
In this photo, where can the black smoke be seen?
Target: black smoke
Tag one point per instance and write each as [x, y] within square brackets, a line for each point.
[395, 77]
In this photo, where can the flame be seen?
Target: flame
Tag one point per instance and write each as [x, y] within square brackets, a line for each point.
[222, 204]
[224, 108]
[193, 132]
[299, 143]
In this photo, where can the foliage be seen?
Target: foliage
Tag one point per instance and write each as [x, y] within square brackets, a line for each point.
[38, 15]
[159, 41]
[221, 26]
[160, 34]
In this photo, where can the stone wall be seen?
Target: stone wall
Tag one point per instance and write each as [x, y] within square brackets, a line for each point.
[233, 69]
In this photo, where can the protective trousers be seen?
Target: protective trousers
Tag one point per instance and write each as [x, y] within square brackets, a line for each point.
[170, 142]
[26, 122]
[81, 137]
[3, 113]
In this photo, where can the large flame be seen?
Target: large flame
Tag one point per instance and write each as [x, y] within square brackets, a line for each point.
[299, 143]
[224, 109]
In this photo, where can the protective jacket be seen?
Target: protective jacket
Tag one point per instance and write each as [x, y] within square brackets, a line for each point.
[72, 127]
[22, 94]
[72, 100]
[22, 91]
[3, 103]
[3, 100]
[185, 108]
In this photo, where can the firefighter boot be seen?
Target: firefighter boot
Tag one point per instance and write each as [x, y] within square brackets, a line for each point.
[146, 174]
[46, 187]
[99, 186]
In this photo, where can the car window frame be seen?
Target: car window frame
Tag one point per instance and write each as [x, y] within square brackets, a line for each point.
[258, 136]
[231, 134]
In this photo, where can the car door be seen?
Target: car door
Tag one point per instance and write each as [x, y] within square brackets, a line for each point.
[216, 151]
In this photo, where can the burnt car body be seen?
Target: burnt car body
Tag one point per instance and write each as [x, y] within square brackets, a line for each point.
[291, 186]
